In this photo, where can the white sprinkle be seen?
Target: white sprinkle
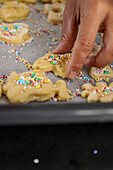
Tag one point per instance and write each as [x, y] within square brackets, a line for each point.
[36, 161]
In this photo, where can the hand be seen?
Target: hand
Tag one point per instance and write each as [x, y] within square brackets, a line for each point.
[93, 16]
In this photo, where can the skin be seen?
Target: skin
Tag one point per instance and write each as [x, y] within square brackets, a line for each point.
[93, 16]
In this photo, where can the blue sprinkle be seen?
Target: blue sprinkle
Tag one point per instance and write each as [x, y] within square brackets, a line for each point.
[106, 91]
[21, 81]
[95, 152]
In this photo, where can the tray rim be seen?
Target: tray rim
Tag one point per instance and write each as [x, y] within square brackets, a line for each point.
[70, 113]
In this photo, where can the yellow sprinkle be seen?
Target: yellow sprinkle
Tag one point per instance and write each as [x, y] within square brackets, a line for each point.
[33, 32]
[1, 81]
[97, 79]
[46, 81]
[71, 97]
[38, 86]
[34, 22]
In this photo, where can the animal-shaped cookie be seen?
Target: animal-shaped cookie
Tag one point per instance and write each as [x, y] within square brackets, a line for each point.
[15, 33]
[95, 50]
[54, 1]
[55, 18]
[26, 1]
[97, 73]
[58, 1]
[54, 62]
[53, 7]
[100, 92]
[33, 86]
[14, 11]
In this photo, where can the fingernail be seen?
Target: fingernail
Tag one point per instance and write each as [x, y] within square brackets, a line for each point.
[72, 75]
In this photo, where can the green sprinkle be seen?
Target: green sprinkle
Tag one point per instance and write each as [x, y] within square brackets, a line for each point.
[27, 82]
[38, 78]
[52, 63]
[106, 72]
[30, 82]
[16, 28]
[32, 75]
[6, 28]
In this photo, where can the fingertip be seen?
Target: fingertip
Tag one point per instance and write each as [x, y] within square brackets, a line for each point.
[56, 50]
[72, 75]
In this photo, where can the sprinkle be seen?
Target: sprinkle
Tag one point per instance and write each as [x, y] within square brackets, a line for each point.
[106, 92]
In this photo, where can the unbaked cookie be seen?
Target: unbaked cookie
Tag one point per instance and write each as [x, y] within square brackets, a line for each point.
[55, 62]
[54, 1]
[33, 86]
[53, 7]
[95, 50]
[101, 92]
[97, 73]
[15, 33]
[26, 1]
[55, 18]
[14, 11]
[58, 1]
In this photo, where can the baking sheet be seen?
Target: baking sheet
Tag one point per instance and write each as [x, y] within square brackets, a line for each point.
[34, 50]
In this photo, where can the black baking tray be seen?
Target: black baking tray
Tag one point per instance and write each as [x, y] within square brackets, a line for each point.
[56, 113]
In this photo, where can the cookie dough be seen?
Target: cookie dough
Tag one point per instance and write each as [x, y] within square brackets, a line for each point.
[55, 18]
[54, 1]
[26, 1]
[15, 33]
[53, 7]
[33, 86]
[95, 50]
[105, 72]
[98, 73]
[14, 11]
[54, 62]
[60, 1]
[101, 92]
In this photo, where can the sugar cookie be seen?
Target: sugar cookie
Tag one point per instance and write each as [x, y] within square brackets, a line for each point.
[55, 18]
[54, 62]
[105, 72]
[101, 92]
[54, 1]
[26, 1]
[14, 11]
[58, 1]
[15, 33]
[33, 86]
[95, 50]
[53, 7]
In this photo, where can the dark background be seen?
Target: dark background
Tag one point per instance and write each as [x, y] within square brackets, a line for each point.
[58, 147]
